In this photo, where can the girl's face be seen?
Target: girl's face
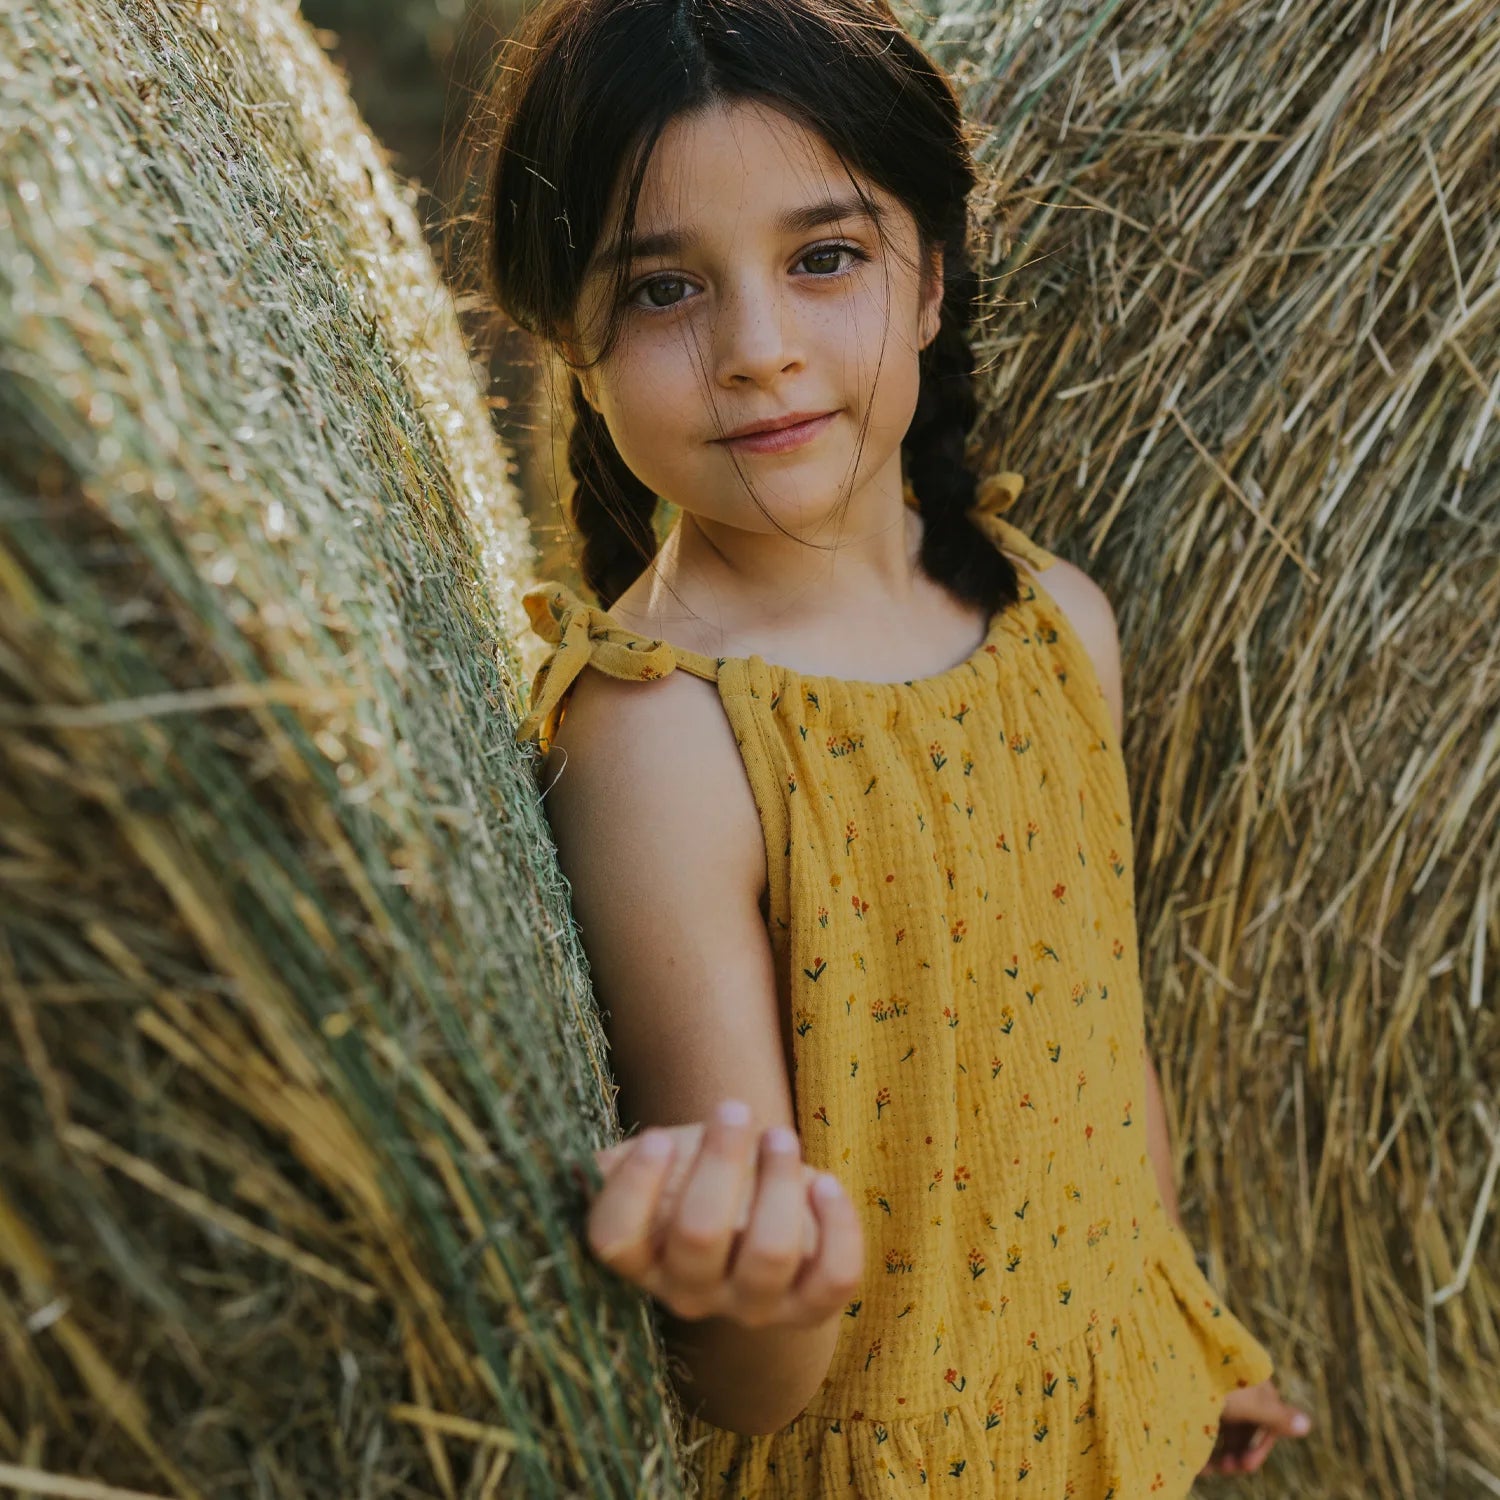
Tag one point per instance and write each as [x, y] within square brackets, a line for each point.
[760, 289]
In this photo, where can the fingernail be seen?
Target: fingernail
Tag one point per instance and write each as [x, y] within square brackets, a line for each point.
[654, 1146]
[734, 1112]
[782, 1140]
[1301, 1423]
[827, 1186]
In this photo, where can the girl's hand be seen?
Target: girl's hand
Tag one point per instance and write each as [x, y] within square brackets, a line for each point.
[1253, 1418]
[686, 1141]
[723, 1224]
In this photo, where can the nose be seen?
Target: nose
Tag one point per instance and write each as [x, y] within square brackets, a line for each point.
[755, 336]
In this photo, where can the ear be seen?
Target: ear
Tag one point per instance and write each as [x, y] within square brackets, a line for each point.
[572, 354]
[931, 318]
[590, 392]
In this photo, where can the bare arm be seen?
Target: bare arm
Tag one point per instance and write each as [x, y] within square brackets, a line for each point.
[658, 834]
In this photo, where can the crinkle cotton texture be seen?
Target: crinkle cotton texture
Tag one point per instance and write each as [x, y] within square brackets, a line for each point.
[952, 911]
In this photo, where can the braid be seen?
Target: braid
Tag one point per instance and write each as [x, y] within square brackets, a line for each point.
[955, 552]
[611, 508]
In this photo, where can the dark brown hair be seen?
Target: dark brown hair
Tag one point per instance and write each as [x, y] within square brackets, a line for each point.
[587, 87]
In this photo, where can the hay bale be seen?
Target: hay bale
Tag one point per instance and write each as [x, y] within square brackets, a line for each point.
[1244, 351]
[296, 1047]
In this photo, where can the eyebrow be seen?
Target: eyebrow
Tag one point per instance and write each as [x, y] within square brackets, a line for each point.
[794, 221]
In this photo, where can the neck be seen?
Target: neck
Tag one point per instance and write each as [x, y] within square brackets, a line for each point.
[862, 569]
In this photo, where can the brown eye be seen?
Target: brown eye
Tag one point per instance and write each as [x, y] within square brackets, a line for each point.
[829, 253]
[655, 285]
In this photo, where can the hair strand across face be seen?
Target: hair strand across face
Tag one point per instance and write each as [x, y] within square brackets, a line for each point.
[587, 89]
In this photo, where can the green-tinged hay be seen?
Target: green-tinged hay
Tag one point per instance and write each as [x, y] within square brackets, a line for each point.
[296, 1048]
[1245, 352]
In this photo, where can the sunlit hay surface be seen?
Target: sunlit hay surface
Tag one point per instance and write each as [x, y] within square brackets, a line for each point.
[1246, 349]
[296, 1049]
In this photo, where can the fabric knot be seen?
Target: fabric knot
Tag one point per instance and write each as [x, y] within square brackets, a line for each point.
[998, 493]
[582, 634]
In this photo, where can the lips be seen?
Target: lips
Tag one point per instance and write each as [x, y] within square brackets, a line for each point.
[795, 431]
[774, 424]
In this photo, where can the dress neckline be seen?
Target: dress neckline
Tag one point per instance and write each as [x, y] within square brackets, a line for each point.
[553, 604]
[960, 670]
[700, 665]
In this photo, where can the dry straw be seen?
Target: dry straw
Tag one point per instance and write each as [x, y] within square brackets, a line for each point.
[1246, 263]
[296, 1048]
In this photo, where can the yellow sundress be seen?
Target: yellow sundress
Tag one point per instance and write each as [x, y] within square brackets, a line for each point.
[951, 897]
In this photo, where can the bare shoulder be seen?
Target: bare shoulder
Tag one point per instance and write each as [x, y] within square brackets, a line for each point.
[1092, 617]
[660, 760]
[660, 840]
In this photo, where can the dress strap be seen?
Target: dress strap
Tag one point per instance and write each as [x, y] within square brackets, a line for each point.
[582, 635]
[998, 493]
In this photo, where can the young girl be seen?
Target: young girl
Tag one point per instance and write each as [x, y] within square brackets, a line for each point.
[842, 803]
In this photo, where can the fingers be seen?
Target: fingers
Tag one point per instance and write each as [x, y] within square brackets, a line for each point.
[770, 1253]
[619, 1222]
[1254, 1418]
[696, 1247]
[834, 1275]
[717, 1219]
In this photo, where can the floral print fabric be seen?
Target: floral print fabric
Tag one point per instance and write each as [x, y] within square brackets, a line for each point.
[952, 911]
